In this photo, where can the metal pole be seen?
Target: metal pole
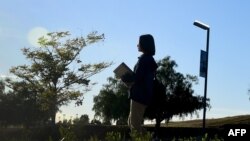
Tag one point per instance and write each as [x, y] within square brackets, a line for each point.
[205, 90]
[205, 27]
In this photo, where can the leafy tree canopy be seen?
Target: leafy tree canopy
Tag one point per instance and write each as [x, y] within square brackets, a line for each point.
[56, 74]
[112, 103]
[180, 98]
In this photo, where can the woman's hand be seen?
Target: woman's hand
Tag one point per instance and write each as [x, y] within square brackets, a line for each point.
[129, 85]
[127, 78]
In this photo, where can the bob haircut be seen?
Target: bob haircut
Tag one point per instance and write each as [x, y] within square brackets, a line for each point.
[147, 44]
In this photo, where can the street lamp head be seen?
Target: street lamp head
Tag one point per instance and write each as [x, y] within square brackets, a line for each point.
[201, 25]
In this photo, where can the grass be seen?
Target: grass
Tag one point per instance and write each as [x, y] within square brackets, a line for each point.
[211, 123]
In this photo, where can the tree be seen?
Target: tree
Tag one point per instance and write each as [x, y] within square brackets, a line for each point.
[85, 119]
[2, 87]
[112, 101]
[180, 100]
[56, 75]
[3, 110]
[19, 105]
[179, 92]
[95, 122]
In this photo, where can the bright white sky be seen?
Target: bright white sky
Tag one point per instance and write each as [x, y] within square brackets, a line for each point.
[171, 24]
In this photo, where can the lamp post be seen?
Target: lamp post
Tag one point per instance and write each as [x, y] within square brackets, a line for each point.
[207, 28]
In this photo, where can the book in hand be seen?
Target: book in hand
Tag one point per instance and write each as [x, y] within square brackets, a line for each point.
[123, 70]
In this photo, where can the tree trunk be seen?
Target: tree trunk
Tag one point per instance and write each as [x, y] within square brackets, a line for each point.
[53, 114]
[53, 118]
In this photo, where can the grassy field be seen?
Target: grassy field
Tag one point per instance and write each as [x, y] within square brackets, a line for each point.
[193, 128]
[212, 123]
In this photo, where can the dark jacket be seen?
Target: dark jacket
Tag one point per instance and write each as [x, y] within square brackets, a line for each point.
[144, 71]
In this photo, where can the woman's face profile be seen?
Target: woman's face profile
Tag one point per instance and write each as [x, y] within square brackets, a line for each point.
[139, 48]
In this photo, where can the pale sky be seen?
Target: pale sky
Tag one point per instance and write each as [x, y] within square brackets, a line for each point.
[122, 22]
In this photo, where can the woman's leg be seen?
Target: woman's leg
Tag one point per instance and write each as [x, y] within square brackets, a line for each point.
[136, 116]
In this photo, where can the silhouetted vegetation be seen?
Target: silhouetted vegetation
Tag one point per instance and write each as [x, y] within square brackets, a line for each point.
[50, 79]
[20, 106]
[184, 130]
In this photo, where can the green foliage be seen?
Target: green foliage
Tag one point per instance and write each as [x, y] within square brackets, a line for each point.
[93, 138]
[83, 120]
[136, 136]
[199, 138]
[20, 106]
[67, 134]
[49, 75]
[113, 136]
[50, 138]
[2, 87]
[112, 103]
[95, 122]
[180, 99]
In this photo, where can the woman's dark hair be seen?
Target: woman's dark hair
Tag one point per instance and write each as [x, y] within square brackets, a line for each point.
[147, 44]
